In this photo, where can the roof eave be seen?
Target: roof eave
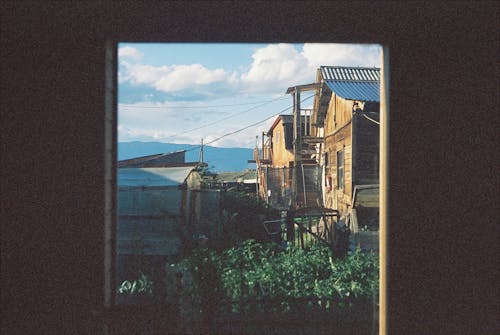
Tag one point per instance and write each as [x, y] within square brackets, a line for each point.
[306, 87]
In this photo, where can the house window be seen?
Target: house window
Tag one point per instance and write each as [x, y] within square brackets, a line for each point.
[278, 136]
[340, 169]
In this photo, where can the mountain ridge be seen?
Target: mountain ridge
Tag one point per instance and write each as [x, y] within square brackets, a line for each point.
[218, 159]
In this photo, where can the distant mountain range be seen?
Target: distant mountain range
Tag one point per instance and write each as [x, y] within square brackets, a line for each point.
[218, 159]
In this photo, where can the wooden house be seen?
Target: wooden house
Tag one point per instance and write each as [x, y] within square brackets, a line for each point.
[274, 162]
[287, 173]
[278, 149]
[346, 113]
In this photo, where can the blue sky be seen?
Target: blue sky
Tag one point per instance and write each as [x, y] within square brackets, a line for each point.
[183, 92]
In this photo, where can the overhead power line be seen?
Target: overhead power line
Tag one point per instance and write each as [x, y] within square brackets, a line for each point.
[219, 120]
[246, 127]
[194, 107]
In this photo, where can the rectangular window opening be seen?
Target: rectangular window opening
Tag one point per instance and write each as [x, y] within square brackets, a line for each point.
[340, 169]
[176, 148]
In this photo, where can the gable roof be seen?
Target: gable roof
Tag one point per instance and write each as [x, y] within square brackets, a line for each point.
[158, 160]
[153, 177]
[285, 118]
[287, 121]
[353, 83]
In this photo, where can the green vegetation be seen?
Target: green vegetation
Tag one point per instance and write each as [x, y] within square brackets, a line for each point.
[253, 270]
[141, 286]
[242, 217]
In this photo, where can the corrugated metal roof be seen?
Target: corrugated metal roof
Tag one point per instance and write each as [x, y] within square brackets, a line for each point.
[158, 160]
[139, 177]
[353, 83]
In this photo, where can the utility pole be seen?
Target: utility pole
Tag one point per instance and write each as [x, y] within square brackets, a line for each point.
[297, 144]
[200, 158]
[263, 153]
[257, 168]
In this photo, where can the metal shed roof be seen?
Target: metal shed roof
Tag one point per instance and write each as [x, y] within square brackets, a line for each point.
[353, 83]
[158, 160]
[146, 177]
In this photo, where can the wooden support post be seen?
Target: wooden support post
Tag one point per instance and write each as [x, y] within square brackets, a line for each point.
[297, 144]
[263, 152]
[301, 232]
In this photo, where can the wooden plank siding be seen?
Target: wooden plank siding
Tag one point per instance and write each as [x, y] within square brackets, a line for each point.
[280, 155]
[338, 136]
[359, 138]
[366, 139]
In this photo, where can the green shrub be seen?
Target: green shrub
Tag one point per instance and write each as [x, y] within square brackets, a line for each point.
[261, 270]
[242, 217]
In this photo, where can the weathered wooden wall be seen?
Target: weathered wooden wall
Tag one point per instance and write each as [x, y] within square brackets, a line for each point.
[202, 213]
[280, 155]
[366, 155]
[359, 138]
[338, 136]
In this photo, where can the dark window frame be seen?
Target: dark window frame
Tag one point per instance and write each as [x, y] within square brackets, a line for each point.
[340, 169]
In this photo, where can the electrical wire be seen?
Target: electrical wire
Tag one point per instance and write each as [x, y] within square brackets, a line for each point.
[194, 107]
[187, 149]
[369, 118]
[217, 121]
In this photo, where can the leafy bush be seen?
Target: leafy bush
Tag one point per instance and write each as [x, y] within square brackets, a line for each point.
[242, 217]
[262, 270]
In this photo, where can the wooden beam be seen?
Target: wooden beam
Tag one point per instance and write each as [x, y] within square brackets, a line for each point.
[307, 87]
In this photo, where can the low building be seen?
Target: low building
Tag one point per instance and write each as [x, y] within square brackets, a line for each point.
[243, 180]
[151, 217]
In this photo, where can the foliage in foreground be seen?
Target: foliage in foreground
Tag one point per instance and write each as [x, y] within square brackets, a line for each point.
[142, 285]
[242, 217]
[253, 270]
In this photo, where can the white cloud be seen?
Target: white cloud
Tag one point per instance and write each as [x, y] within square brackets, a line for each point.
[130, 52]
[275, 67]
[182, 126]
[176, 78]
[180, 77]
[279, 66]
[335, 54]
[143, 74]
